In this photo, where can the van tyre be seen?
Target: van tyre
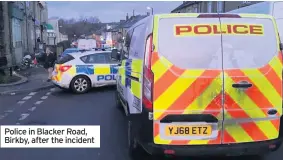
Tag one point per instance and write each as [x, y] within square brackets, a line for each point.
[135, 151]
[80, 84]
[118, 102]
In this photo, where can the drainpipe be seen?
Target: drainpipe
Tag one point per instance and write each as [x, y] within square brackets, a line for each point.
[27, 29]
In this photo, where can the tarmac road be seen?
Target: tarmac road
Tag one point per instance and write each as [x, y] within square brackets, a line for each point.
[56, 107]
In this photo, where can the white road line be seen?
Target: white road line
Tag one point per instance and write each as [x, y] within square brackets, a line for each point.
[38, 102]
[52, 89]
[21, 102]
[23, 116]
[3, 116]
[9, 111]
[32, 109]
[27, 97]
[18, 123]
[48, 93]
[44, 97]
[32, 93]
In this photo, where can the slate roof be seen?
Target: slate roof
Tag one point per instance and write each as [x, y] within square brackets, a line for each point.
[128, 23]
[183, 5]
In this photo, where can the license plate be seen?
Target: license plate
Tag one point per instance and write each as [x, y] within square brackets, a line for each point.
[185, 130]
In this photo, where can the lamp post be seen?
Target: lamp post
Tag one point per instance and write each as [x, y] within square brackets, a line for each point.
[150, 8]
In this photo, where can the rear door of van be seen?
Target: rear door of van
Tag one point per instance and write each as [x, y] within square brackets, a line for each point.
[252, 64]
[188, 80]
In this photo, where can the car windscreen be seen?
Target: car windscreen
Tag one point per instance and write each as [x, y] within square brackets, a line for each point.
[64, 59]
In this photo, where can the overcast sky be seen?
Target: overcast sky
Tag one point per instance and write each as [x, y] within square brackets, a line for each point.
[106, 11]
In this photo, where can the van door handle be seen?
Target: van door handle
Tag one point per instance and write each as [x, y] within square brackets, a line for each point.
[242, 85]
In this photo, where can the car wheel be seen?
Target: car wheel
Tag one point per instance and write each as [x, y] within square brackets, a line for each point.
[80, 84]
[134, 149]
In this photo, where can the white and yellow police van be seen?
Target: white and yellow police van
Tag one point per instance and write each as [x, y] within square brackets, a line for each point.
[202, 85]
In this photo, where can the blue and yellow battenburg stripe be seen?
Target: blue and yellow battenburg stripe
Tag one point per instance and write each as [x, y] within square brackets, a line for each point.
[132, 68]
[92, 69]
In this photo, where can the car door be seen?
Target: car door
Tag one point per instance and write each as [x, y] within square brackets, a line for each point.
[188, 80]
[103, 70]
[252, 66]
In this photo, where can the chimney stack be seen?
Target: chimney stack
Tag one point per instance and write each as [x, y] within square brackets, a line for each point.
[147, 13]
[133, 13]
[127, 17]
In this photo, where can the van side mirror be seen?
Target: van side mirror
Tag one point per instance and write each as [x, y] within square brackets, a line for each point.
[114, 54]
[281, 46]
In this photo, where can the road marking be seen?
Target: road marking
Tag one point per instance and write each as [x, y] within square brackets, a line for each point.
[32, 93]
[12, 94]
[27, 97]
[21, 102]
[44, 97]
[48, 93]
[9, 111]
[32, 109]
[38, 102]
[52, 89]
[17, 123]
[23, 116]
[3, 116]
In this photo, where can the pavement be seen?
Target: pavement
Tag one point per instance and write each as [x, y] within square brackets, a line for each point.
[57, 107]
[35, 80]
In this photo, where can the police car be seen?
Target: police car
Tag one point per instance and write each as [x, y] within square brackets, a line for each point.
[82, 71]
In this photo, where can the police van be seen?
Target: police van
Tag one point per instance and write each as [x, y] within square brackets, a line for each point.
[199, 85]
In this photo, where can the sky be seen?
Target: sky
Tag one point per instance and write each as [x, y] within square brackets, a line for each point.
[107, 11]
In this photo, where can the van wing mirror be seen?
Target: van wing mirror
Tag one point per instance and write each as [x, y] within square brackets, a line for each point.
[281, 46]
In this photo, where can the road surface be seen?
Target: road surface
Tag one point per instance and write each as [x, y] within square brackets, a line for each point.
[56, 107]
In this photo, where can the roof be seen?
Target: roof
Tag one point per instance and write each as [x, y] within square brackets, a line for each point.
[88, 53]
[49, 26]
[183, 5]
[130, 22]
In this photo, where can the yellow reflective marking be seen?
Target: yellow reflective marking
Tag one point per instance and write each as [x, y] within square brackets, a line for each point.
[243, 100]
[136, 88]
[267, 128]
[197, 142]
[277, 66]
[237, 132]
[173, 92]
[158, 140]
[102, 70]
[248, 106]
[159, 69]
[72, 71]
[263, 84]
[201, 102]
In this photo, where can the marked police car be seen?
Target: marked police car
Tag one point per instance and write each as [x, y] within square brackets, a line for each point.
[82, 71]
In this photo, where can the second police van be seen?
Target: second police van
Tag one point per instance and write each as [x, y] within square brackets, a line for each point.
[198, 84]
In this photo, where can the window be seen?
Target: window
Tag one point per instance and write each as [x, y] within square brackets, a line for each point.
[195, 9]
[136, 47]
[97, 58]
[64, 59]
[209, 7]
[16, 32]
[127, 43]
[219, 6]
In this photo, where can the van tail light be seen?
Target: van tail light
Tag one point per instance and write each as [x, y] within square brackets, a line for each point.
[148, 76]
[64, 68]
[219, 16]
